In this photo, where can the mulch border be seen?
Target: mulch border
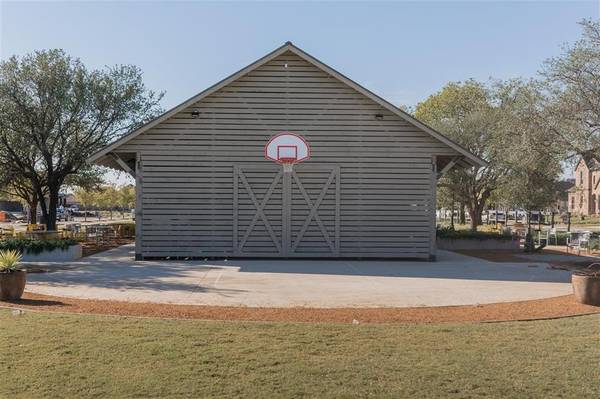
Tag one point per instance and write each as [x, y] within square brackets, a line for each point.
[549, 308]
[90, 248]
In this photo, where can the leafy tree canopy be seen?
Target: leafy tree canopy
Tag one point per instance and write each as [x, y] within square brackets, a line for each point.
[54, 113]
[571, 113]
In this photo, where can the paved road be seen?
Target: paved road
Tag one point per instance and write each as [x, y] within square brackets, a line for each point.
[453, 280]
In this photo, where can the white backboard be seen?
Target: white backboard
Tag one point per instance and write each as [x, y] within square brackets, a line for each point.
[287, 147]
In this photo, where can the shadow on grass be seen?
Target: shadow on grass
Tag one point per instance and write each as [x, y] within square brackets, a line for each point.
[34, 302]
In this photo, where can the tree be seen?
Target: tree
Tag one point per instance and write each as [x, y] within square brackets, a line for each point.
[86, 198]
[19, 187]
[15, 179]
[109, 199]
[445, 200]
[88, 177]
[126, 197]
[466, 113]
[52, 103]
[533, 161]
[533, 186]
[571, 113]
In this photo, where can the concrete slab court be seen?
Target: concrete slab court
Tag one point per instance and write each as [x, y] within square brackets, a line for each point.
[453, 280]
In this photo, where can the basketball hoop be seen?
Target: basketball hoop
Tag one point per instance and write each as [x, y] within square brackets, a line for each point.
[287, 149]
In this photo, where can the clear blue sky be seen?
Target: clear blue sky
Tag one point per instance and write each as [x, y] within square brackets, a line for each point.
[403, 51]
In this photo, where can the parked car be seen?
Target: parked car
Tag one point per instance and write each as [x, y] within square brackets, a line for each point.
[14, 216]
[61, 214]
[83, 213]
[517, 215]
[538, 217]
[495, 216]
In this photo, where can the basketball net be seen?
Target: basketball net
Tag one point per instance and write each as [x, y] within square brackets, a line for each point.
[288, 167]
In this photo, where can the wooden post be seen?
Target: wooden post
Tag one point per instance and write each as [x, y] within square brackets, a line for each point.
[139, 173]
[235, 239]
[496, 218]
[286, 209]
[528, 236]
[338, 194]
[432, 247]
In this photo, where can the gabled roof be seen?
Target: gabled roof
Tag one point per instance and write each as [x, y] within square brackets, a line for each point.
[470, 158]
[590, 160]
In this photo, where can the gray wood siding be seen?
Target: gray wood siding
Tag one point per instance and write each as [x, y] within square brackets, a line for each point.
[385, 168]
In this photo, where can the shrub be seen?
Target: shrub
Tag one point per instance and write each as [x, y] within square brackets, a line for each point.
[561, 239]
[33, 246]
[10, 261]
[449, 233]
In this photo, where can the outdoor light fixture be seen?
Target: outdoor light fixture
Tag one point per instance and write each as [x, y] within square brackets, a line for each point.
[379, 117]
[195, 113]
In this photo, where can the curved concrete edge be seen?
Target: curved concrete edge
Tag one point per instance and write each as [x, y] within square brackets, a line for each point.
[137, 300]
[58, 255]
[545, 309]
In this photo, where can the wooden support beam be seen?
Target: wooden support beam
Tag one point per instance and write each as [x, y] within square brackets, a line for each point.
[432, 209]
[122, 164]
[139, 207]
[448, 166]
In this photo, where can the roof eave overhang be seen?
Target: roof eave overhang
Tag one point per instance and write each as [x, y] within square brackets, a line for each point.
[466, 155]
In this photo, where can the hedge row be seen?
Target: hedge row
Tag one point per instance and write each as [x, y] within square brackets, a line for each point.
[450, 233]
[34, 246]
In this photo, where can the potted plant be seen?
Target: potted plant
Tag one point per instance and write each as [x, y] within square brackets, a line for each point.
[586, 285]
[12, 278]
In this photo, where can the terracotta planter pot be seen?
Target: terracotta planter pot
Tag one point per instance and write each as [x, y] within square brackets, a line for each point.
[586, 289]
[12, 285]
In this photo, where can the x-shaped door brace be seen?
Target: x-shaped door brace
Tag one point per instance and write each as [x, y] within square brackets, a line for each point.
[313, 211]
[259, 210]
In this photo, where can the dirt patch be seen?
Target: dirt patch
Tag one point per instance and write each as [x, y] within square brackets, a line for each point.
[506, 256]
[570, 266]
[522, 257]
[525, 310]
[92, 248]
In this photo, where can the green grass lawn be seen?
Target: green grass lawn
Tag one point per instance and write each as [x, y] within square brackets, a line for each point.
[52, 355]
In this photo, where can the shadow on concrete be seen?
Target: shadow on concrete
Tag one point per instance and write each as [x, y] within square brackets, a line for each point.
[116, 269]
[526, 272]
